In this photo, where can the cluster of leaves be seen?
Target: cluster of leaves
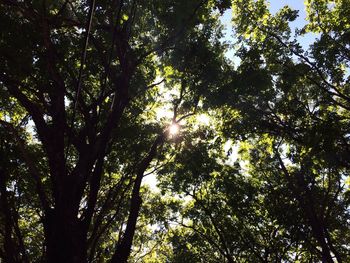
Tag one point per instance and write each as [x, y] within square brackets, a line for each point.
[286, 197]
[81, 85]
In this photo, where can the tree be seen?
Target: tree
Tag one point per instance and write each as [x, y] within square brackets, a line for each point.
[305, 114]
[79, 82]
[287, 111]
[263, 179]
[291, 108]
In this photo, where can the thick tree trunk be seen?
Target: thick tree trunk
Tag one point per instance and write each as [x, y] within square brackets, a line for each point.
[65, 239]
[65, 234]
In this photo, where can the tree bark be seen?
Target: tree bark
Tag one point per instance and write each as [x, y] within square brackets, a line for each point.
[123, 248]
[65, 238]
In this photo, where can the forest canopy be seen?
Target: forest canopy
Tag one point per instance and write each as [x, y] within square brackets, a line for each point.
[128, 134]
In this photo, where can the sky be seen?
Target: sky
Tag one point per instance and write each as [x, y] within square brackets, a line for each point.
[275, 5]
[301, 21]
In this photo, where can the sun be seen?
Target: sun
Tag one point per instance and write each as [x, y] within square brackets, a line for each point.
[174, 129]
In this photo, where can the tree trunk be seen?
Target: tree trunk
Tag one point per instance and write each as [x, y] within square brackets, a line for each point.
[65, 240]
[123, 249]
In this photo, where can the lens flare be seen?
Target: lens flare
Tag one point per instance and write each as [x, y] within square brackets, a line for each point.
[174, 129]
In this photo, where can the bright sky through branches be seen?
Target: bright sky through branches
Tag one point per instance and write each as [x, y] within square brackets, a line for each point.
[275, 5]
[166, 111]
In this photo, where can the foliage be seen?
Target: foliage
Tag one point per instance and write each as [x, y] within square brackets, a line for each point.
[258, 170]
